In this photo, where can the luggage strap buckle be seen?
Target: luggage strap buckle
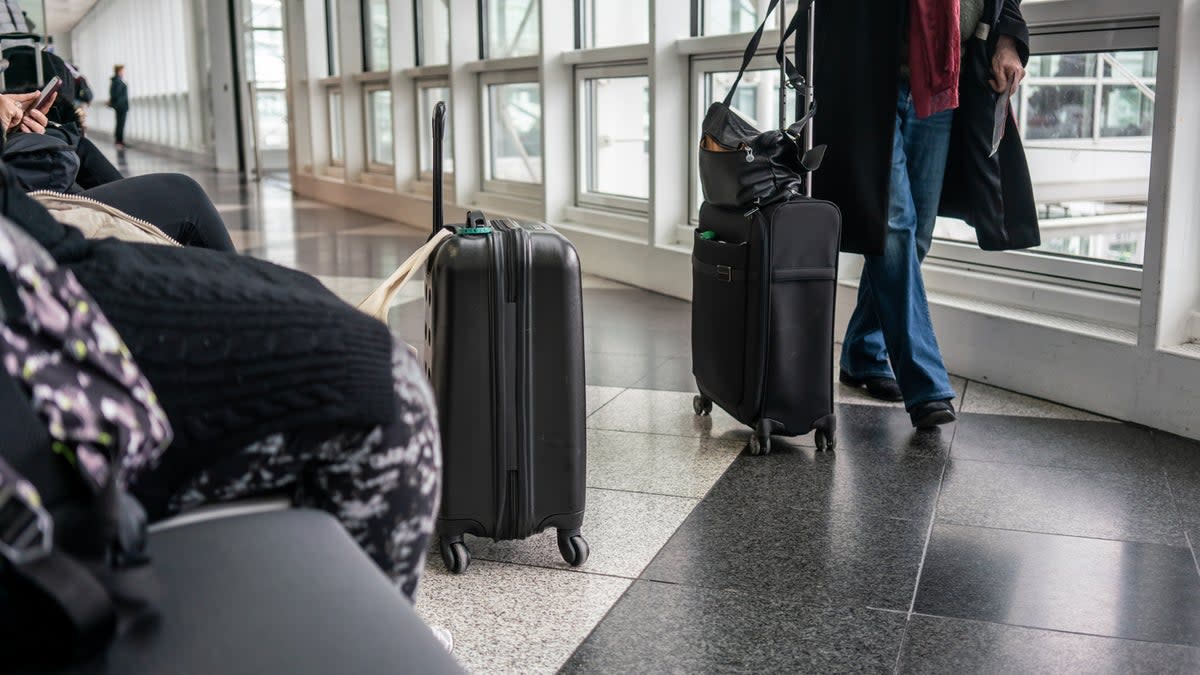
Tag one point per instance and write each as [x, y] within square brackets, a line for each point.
[26, 528]
[724, 273]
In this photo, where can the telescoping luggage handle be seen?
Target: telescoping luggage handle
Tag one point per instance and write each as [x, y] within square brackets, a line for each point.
[439, 136]
[790, 78]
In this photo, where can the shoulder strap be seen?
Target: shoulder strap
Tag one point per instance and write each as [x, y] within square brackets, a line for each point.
[751, 50]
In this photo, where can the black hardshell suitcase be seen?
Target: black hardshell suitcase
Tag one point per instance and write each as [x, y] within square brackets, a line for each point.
[504, 349]
[763, 300]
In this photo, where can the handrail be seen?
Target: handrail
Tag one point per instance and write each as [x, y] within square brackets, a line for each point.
[1133, 79]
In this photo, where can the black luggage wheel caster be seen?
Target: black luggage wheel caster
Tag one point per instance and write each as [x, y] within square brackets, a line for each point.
[825, 440]
[455, 555]
[573, 547]
[759, 445]
[702, 406]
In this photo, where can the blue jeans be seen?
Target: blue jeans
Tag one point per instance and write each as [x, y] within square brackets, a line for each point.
[892, 316]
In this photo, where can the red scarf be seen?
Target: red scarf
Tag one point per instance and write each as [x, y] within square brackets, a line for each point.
[934, 54]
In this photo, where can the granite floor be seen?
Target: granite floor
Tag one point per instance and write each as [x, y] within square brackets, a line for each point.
[1028, 537]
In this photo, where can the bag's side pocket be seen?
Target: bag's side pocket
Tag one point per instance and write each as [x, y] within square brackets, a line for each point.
[719, 318]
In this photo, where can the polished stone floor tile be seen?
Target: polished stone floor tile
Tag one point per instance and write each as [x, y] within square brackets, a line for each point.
[598, 396]
[982, 398]
[665, 628]
[665, 412]
[634, 321]
[750, 542]
[668, 465]
[1110, 588]
[1181, 458]
[336, 255]
[355, 289]
[592, 282]
[846, 481]
[1102, 446]
[619, 370]
[623, 530]
[245, 240]
[512, 618]
[1099, 504]
[889, 431]
[674, 374]
[387, 230]
[937, 645]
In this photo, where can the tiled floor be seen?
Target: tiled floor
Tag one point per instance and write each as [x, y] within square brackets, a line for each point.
[1028, 537]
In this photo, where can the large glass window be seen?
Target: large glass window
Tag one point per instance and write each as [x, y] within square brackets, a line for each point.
[1087, 123]
[607, 23]
[512, 28]
[514, 131]
[428, 95]
[376, 53]
[380, 149]
[337, 148]
[615, 138]
[718, 17]
[267, 73]
[434, 32]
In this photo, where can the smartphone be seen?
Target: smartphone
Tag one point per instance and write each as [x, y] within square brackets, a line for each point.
[52, 86]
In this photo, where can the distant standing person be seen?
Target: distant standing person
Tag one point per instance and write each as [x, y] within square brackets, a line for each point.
[118, 100]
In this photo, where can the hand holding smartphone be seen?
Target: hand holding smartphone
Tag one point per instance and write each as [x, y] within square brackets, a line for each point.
[47, 91]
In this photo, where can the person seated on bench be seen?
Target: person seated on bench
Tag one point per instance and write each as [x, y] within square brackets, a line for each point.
[173, 202]
[271, 384]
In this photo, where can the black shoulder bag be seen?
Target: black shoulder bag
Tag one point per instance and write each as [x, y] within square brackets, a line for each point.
[741, 166]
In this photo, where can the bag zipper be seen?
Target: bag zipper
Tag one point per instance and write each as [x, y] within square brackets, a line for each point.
[145, 226]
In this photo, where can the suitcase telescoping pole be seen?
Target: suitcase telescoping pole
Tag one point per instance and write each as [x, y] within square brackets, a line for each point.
[439, 135]
[799, 76]
[810, 37]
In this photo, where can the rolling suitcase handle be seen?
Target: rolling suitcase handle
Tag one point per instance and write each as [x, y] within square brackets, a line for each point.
[380, 300]
[439, 138]
[800, 80]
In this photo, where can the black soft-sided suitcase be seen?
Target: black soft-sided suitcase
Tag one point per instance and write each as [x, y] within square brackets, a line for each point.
[763, 296]
[504, 348]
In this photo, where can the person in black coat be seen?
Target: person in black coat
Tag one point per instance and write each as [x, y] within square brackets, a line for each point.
[886, 163]
[118, 100]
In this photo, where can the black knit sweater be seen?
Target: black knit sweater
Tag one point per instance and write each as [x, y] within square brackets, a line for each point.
[235, 348]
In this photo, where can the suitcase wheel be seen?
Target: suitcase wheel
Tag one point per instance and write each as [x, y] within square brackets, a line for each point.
[573, 547]
[824, 434]
[759, 445]
[455, 555]
[825, 440]
[701, 405]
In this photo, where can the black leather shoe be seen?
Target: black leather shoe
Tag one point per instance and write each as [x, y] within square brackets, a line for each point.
[931, 414]
[882, 388]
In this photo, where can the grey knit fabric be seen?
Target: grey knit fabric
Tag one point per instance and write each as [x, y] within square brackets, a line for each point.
[969, 14]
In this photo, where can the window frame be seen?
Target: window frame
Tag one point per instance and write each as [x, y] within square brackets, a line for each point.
[419, 55]
[333, 64]
[700, 65]
[585, 14]
[1136, 35]
[584, 198]
[365, 37]
[487, 79]
[330, 91]
[371, 166]
[485, 30]
[425, 176]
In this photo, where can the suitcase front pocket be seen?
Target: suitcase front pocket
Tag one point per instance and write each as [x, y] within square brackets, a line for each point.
[719, 318]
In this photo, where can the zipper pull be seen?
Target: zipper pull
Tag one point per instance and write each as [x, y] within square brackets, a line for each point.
[757, 206]
[749, 154]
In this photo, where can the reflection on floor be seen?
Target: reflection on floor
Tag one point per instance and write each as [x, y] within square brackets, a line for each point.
[1029, 537]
